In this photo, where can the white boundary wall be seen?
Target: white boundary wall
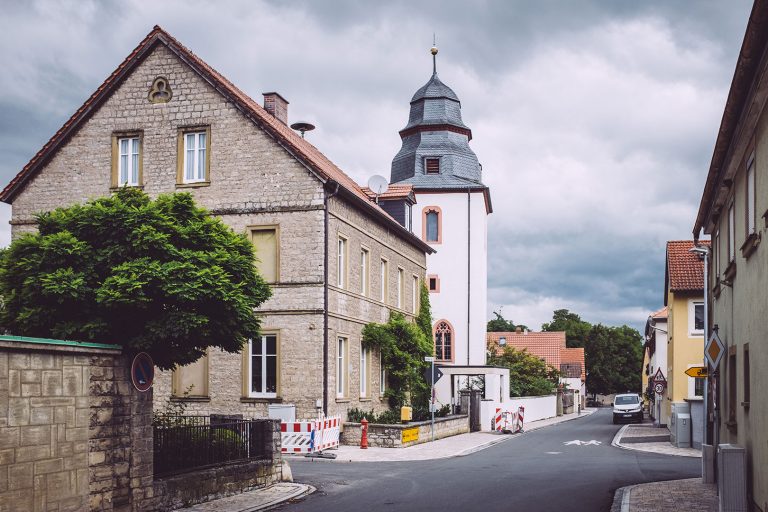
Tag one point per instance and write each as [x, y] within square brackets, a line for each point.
[536, 408]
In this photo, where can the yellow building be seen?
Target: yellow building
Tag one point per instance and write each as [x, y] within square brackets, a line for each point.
[684, 298]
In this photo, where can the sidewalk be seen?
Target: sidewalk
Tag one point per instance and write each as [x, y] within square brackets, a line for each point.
[647, 438]
[689, 494]
[454, 446]
[252, 501]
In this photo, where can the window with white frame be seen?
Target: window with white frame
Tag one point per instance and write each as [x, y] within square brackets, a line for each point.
[716, 253]
[384, 279]
[195, 156]
[696, 317]
[731, 233]
[341, 367]
[363, 372]
[128, 161]
[751, 197]
[408, 220]
[262, 378]
[341, 269]
[382, 376]
[364, 265]
[400, 283]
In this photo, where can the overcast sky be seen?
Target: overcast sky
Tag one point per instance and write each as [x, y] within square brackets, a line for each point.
[594, 120]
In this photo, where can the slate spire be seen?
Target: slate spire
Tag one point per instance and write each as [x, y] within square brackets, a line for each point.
[436, 132]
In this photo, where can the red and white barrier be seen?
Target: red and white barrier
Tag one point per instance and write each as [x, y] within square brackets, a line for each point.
[310, 436]
[506, 421]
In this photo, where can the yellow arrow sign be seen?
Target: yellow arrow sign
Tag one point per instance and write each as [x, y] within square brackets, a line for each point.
[696, 371]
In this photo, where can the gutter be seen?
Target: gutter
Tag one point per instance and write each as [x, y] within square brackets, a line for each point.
[325, 293]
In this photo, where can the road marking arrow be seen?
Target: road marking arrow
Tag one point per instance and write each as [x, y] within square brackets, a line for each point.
[582, 443]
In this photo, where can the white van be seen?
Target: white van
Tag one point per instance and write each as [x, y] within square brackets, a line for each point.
[627, 406]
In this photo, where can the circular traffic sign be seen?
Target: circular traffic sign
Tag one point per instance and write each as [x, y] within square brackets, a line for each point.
[658, 387]
[142, 371]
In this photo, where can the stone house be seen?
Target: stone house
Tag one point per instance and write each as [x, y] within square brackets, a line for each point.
[166, 121]
[734, 213]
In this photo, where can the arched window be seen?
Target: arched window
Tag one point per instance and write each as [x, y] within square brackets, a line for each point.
[432, 229]
[443, 341]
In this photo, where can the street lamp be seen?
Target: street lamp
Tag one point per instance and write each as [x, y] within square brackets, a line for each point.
[703, 253]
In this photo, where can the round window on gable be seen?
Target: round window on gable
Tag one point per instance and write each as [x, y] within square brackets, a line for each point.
[160, 92]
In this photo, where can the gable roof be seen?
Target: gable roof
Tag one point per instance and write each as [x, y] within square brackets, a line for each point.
[395, 191]
[546, 345]
[684, 271]
[294, 144]
[661, 314]
[573, 356]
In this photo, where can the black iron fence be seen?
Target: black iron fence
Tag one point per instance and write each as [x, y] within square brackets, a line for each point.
[197, 442]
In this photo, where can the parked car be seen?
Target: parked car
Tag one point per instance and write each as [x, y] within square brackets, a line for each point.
[628, 407]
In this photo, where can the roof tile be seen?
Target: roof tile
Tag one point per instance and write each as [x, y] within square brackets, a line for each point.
[685, 269]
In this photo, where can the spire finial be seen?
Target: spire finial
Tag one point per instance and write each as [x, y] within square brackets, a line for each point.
[433, 51]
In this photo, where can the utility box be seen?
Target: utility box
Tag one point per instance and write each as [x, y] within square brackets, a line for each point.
[682, 429]
[283, 412]
[707, 463]
[732, 478]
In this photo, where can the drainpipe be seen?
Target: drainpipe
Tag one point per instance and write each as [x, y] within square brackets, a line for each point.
[469, 260]
[325, 297]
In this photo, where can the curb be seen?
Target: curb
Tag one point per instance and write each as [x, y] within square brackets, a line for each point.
[302, 490]
[629, 446]
[621, 499]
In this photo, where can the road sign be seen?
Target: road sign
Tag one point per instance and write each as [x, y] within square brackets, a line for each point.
[428, 376]
[698, 372]
[714, 350]
[429, 359]
[658, 388]
[660, 378]
[142, 371]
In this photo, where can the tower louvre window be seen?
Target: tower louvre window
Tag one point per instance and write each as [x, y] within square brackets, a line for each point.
[432, 165]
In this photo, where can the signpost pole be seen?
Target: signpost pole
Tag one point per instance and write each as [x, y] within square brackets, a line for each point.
[432, 399]
[431, 359]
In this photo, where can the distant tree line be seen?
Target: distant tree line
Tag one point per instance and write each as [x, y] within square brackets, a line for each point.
[613, 355]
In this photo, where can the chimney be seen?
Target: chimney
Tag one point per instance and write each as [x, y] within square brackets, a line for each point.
[518, 330]
[277, 106]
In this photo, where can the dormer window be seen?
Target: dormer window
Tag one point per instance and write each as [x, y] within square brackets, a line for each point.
[432, 165]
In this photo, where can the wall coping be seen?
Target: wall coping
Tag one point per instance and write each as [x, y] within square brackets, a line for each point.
[412, 424]
[25, 343]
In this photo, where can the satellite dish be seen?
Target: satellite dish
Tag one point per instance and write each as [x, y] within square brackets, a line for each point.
[378, 185]
[302, 127]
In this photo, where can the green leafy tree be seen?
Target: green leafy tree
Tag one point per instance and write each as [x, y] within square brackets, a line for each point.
[528, 374]
[160, 276]
[613, 355]
[424, 318]
[403, 346]
[576, 329]
[501, 324]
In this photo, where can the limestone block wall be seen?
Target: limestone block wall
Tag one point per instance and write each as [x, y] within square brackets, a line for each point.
[391, 436]
[349, 309]
[74, 434]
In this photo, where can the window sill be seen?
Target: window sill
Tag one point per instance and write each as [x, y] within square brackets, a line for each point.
[730, 271]
[190, 399]
[194, 185]
[745, 405]
[750, 244]
[365, 399]
[115, 189]
[255, 400]
[342, 400]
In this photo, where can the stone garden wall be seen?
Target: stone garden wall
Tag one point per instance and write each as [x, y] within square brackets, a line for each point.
[391, 436]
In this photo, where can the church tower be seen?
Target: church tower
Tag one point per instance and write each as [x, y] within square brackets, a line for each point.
[451, 212]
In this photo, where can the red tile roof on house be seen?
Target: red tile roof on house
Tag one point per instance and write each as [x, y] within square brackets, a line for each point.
[572, 356]
[661, 314]
[294, 144]
[393, 192]
[685, 270]
[546, 345]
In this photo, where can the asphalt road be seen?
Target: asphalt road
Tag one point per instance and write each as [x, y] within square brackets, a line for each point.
[532, 472]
